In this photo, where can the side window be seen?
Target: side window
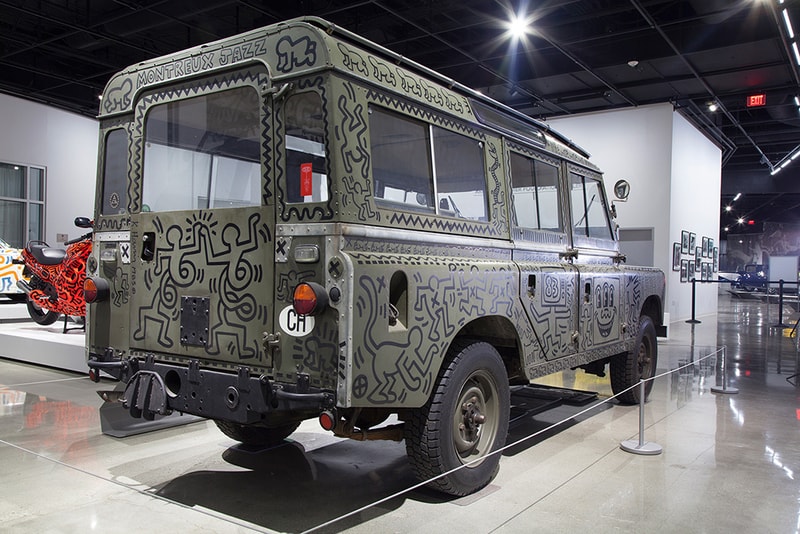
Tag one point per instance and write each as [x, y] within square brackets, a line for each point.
[306, 166]
[115, 173]
[460, 176]
[589, 214]
[422, 167]
[401, 155]
[534, 186]
[203, 152]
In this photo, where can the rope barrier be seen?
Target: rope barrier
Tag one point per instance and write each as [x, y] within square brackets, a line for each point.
[641, 444]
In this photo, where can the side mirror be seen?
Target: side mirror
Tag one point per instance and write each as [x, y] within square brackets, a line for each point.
[621, 190]
[83, 222]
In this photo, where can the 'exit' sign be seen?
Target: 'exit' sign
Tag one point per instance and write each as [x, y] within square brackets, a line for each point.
[756, 100]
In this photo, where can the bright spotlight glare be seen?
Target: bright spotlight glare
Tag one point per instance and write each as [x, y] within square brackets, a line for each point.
[517, 27]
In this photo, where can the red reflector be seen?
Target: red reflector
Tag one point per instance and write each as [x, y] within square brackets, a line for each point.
[327, 420]
[305, 299]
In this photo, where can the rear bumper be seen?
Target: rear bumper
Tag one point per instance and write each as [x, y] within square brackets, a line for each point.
[161, 388]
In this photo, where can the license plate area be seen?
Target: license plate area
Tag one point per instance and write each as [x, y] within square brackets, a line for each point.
[195, 320]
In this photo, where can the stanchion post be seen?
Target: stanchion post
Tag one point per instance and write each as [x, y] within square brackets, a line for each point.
[640, 447]
[724, 371]
[694, 294]
[780, 324]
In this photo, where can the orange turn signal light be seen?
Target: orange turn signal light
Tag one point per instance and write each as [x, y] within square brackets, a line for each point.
[309, 298]
[95, 289]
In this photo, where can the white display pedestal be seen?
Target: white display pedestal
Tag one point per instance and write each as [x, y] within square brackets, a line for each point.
[22, 339]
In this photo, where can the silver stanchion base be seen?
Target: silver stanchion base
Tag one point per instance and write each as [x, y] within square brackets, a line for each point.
[731, 391]
[649, 448]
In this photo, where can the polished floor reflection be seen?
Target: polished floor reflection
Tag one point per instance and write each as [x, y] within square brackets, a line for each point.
[730, 462]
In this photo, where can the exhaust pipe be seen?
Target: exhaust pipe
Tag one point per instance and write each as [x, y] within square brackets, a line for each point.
[24, 286]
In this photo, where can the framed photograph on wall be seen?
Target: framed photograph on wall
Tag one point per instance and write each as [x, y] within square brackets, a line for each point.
[684, 241]
[703, 275]
[705, 247]
[698, 258]
[690, 272]
[684, 270]
[692, 242]
[676, 256]
[716, 260]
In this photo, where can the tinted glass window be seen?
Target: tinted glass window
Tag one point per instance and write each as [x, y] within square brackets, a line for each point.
[401, 155]
[460, 176]
[422, 167]
[535, 189]
[115, 173]
[589, 214]
[203, 152]
[306, 166]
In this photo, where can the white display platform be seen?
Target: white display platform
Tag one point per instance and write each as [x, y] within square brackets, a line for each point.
[22, 339]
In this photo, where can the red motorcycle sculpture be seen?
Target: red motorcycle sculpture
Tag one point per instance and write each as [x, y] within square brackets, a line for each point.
[56, 277]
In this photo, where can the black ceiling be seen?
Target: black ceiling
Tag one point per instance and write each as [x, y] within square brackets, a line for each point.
[578, 58]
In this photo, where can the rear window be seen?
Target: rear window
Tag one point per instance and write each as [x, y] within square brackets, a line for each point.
[203, 152]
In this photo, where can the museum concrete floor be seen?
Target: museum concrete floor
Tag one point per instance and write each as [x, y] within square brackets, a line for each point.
[730, 462]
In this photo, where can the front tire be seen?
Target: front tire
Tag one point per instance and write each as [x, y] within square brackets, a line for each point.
[464, 421]
[41, 316]
[256, 435]
[640, 363]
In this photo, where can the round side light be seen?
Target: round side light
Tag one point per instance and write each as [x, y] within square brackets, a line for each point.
[309, 298]
[95, 289]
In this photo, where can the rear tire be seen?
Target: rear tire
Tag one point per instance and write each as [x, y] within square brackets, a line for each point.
[640, 363]
[465, 420]
[40, 315]
[257, 435]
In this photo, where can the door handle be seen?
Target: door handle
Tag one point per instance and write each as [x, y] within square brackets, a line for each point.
[531, 284]
[148, 246]
[569, 254]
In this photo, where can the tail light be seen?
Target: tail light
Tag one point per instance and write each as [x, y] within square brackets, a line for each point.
[309, 298]
[95, 289]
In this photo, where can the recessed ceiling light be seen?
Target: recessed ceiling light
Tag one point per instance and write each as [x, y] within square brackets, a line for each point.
[517, 27]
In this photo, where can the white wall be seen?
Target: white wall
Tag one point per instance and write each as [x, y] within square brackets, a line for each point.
[675, 174]
[694, 206]
[62, 142]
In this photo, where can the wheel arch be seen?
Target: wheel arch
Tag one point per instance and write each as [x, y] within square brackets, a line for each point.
[501, 333]
[654, 309]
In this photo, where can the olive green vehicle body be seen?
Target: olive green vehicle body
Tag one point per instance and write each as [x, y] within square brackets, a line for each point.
[203, 296]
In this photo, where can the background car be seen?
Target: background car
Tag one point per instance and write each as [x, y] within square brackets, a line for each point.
[10, 273]
[753, 277]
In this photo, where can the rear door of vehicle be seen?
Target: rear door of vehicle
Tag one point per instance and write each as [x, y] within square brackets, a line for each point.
[203, 220]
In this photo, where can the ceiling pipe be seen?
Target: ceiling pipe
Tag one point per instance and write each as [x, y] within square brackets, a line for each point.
[584, 66]
[699, 78]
